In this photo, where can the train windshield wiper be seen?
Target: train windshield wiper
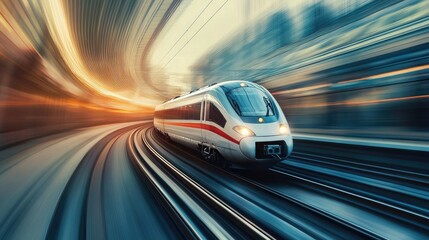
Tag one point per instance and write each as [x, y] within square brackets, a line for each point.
[268, 105]
[236, 107]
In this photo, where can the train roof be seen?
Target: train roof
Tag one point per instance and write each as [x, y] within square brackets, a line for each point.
[227, 84]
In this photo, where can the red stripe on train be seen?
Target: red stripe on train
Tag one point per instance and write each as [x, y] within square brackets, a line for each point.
[205, 127]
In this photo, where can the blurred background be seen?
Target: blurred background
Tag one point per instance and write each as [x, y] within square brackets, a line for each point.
[337, 67]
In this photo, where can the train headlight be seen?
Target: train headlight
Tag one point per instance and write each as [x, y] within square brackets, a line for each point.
[284, 129]
[244, 131]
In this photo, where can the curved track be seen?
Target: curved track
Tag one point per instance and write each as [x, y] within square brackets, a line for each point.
[124, 181]
[89, 191]
[317, 201]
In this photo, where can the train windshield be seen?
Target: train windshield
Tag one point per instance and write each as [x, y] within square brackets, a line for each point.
[250, 102]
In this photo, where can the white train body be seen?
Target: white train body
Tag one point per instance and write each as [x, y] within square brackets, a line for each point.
[238, 119]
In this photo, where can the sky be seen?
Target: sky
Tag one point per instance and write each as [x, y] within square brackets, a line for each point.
[201, 25]
[197, 27]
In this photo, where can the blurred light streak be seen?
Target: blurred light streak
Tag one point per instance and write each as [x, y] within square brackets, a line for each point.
[60, 32]
[367, 102]
[302, 89]
[96, 49]
[363, 102]
[70, 64]
[46, 102]
[388, 74]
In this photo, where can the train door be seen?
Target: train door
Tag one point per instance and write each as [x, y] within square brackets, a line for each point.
[204, 114]
[206, 149]
[209, 141]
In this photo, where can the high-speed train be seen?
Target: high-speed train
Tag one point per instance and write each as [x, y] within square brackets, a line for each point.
[236, 123]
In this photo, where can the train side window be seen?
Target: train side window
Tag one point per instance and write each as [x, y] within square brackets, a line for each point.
[214, 115]
[187, 112]
[196, 110]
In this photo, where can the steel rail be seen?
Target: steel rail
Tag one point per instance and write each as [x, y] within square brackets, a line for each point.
[208, 196]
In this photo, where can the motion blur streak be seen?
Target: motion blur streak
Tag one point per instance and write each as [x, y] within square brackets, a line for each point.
[326, 62]
[68, 64]
[389, 73]
[37, 193]
[356, 71]
[99, 46]
[90, 186]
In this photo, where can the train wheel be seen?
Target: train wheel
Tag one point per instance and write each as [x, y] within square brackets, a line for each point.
[220, 161]
[215, 157]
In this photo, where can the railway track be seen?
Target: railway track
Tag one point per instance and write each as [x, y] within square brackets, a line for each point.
[170, 181]
[95, 203]
[275, 224]
[131, 183]
[405, 191]
[404, 222]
